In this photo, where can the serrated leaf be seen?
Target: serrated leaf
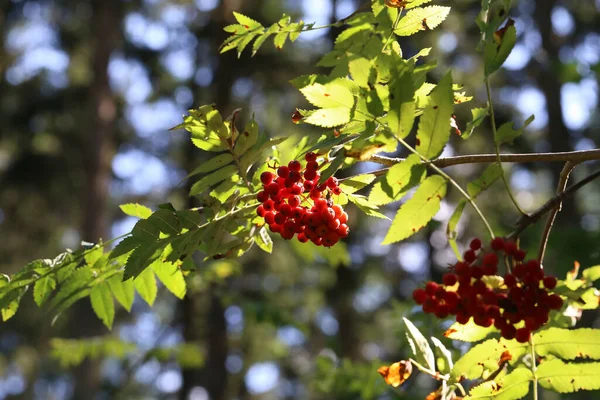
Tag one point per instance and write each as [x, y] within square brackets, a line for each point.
[280, 39]
[102, 303]
[72, 288]
[259, 42]
[418, 210]
[43, 288]
[479, 358]
[401, 114]
[469, 332]
[145, 284]
[494, 55]
[212, 179]
[136, 210]
[123, 291]
[125, 246]
[415, 3]
[171, 276]
[434, 125]
[421, 19]
[363, 204]
[356, 183]
[399, 179]
[141, 258]
[335, 94]
[420, 346]
[328, 117]
[214, 163]
[568, 344]
[509, 387]
[246, 21]
[564, 377]
[507, 133]
[248, 138]
[492, 173]
[479, 115]
[360, 70]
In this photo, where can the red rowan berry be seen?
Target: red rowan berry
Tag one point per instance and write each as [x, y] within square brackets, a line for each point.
[294, 176]
[310, 156]
[330, 239]
[294, 165]
[475, 244]
[302, 238]
[462, 318]
[555, 302]
[462, 268]
[510, 280]
[276, 228]
[310, 174]
[337, 190]
[419, 296]
[283, 171]
[550, 282]
[262, 196]
[312, 166]
[441, 311]
[342, 230]
[429, 305]
[451, 298]
[450, 279]
[469, 256]
[489, 270]
[294, 201]
[431, 288]
[490, 259]
[498, 244]
[477, 272]
[522, 335]
[266, 177]
[261, 211]
[509, 332]
[269, 217]
[272, 188]
[519, 255]
[510, 248]
[331, 182]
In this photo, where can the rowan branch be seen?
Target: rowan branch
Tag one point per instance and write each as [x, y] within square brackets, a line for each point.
[572, 156]
[562, 185]
[550, 205]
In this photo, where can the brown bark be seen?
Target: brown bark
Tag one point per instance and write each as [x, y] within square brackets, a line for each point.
[98, 152]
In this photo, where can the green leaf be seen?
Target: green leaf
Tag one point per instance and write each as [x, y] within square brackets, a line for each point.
[509, 387]
[212, 179]
[479, 115]
[247, 138]
[415, 3]
[470, 332]
[507, 133]
[141, 258]
[355, 183]
[363, 204]
[263, 240]
[413, 21]
[434, 125]
[280, 39]
[418, 210]
[420, 346]
[136, 210]
[399, 179]
[43, 289]
[401, 115]
[330, 95]
[444, 356]
[561, 377]
[145, 284]
[454, 219]
[102, 303]
[591, 274]
[360, 70]
[123, 291]
[472, 364]
[171, 276]
[328, 117]
[568, 344]
[494, 55]
[246, 21]
[214, 163]
[492, 173]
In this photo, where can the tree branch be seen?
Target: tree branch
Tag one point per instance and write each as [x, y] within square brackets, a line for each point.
[551, 204]
[572, 156]
[562, 185]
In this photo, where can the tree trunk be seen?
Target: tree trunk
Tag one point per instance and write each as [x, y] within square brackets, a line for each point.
[98, 152]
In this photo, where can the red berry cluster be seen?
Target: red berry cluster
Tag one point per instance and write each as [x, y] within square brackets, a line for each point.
[519, 306]
[293, 202]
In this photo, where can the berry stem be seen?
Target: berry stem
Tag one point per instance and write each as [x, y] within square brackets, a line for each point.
[453, 182]
[533, 369]
[497, 145]
[562, 185]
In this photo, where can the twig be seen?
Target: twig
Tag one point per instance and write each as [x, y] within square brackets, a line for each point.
[497, 145]
[573, 156]
[551, 204]
[562, 185]
[533, 369]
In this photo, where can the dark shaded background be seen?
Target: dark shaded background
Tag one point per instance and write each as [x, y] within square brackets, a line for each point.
[87, 92]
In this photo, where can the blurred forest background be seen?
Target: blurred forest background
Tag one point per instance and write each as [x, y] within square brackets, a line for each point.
[88, 90]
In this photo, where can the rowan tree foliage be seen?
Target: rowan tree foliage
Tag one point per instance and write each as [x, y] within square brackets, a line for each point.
[519, 322]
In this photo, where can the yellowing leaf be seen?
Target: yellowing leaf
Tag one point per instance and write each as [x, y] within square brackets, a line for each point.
[417, 211]
[397, 373]
[136, 210]
[421, 19]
